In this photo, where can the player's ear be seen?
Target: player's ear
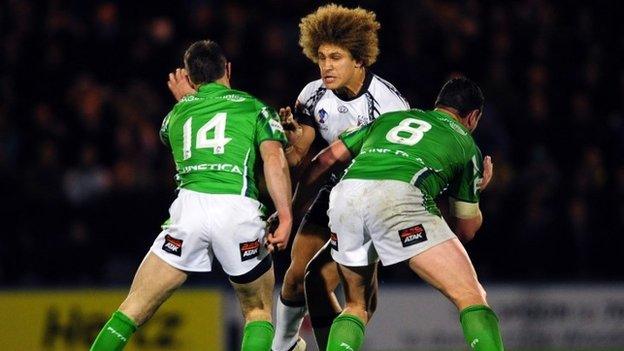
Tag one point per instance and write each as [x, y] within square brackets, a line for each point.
[473, 119]
[228, 70]
[359, 64]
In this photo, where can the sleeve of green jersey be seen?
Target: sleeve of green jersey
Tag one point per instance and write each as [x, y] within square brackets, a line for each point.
[164, 129]
[269, 127]
[353, 138]
[465, 187]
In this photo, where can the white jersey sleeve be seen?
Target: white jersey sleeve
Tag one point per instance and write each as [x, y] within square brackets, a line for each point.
[389, 97]
[307, 100]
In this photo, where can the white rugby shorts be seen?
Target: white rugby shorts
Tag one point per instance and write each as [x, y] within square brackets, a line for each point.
[381, 219]
[203, 226]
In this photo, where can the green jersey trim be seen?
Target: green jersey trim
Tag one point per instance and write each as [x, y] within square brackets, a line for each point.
[420, 175]
[244, 188]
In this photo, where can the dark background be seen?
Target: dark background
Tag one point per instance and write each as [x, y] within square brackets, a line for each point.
[86, 183]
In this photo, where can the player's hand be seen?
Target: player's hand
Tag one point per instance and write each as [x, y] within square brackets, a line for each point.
[292, 128]
[488, 172]
[288, 120]
[272, 222]
[278, 239]
[179, 84]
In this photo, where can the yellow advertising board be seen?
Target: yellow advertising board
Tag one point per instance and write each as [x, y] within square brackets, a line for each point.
[70, 320]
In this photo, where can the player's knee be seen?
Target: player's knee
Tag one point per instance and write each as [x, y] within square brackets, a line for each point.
[257, 314]
[466, 295]
[361, 310]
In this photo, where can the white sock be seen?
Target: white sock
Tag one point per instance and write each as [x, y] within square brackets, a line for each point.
[288, 320]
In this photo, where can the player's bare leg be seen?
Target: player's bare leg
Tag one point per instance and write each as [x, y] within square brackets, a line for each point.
[154, 282]
[308, 241]
[321, 280]
[347, 330]
[147, 293]
[448, 268]
[256, 301]
[291, 305]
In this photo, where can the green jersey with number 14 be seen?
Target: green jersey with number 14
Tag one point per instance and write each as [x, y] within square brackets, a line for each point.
[429, 149]
[215, 137]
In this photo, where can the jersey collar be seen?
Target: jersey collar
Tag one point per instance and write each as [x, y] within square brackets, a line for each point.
[211, 87]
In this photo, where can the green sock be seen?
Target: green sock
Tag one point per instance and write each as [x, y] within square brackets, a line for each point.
[346, 333]
[115, 333]
[480, 326]
[258, 336]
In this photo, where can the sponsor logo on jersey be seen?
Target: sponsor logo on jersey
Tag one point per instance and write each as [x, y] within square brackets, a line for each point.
[322, 116]
[333, 241]
[249, 249]
[234, 98]
[343, 109]
[173, 245]
[457, 128]
[222, 167]
[412, 235]
[189, 98]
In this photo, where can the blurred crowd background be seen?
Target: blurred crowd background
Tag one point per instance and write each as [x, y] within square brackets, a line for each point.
[86, 183]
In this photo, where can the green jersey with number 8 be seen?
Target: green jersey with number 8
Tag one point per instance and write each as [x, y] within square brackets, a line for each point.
[215, 137]
[429, 149]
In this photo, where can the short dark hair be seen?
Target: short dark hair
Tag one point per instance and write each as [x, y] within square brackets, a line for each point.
[204, 61]
[462, 94]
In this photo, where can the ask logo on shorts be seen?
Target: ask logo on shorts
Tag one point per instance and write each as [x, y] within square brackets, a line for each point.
[249, 250]
[412, 235]
[173, 245]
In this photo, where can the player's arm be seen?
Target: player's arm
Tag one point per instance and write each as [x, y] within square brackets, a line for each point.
[300, 137]
[333, 158]
[278, 183]
[163, 133]
[466, 219]
[464, 194]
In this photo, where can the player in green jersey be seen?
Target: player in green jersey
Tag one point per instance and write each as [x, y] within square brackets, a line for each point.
[217, 136]
[384, 209]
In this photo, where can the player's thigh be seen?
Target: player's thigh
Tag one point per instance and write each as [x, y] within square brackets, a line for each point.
[237, 233]
[256, 296]
[350, 242]
[360, 288]
[313, 232]
[448, 268]
[184, 242]
[153, 283]
[309, 240]
[399, 223]
[322, 271]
